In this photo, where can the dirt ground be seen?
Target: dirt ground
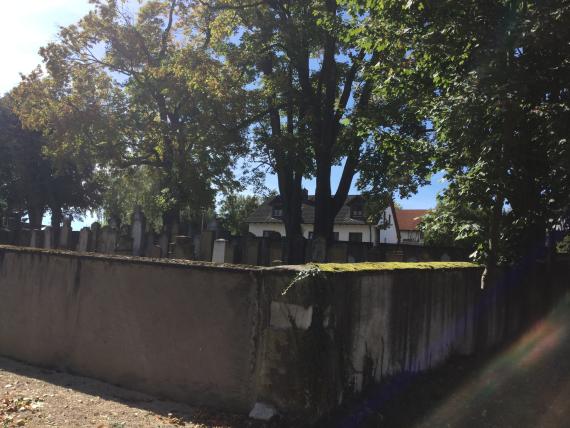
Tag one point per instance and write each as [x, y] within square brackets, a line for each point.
[34, 397]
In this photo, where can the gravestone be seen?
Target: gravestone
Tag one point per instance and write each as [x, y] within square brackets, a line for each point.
[65, 234]
[275, 251]
[219, 253]
[338, 252]
[24, 237]
[319, 250]
[108, 242]
[138, 231]
[163, 244]
[125, 241]
[174, 232]
[149, 245]
[84, 243]
[155, 252]
[114, 223]
[36, 238]
[48, 238]
[395, 255]
[251, 251]
[206, 245]
[95, 236]
[74, 240]
[6, 237]
[196, 243]
[183, 248]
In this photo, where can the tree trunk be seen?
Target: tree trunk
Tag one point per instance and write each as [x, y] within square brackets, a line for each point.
[490, 272]
[56, 220]
[291, 191]
[324, 209]
[35, 215]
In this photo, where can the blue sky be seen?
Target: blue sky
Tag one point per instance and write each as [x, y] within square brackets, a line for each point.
[425, 198]
[27, 26]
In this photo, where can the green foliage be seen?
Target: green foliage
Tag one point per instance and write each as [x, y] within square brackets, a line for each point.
[456, 223]
[493, 78]
[312, 82]
[31, 181]
[131, 89]
[235, 209]
[563, 246]
[133, 187]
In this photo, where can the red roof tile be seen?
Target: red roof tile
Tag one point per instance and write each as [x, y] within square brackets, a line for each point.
[409, 219]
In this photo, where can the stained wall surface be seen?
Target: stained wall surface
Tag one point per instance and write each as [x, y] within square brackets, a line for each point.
[228, 336]
[177, 331]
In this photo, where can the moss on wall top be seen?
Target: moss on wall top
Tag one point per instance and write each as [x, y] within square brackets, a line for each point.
[389, 266]
[322, 267]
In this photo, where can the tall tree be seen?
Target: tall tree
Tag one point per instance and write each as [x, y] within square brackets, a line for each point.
[314, 82]
[33, 182]
[497, 82]
[162, 101]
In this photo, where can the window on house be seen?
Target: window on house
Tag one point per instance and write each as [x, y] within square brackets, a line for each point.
[271, 234]
[277, 212]
[357, 211]
[355, 236]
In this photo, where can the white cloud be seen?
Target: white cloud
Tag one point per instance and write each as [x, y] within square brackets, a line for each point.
[27, 25]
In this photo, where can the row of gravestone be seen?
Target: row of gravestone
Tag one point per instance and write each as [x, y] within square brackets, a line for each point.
[112, 239]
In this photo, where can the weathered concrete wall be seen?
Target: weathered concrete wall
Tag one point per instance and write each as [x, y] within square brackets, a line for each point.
[373, 324]
[398, 326]
[228, 336]
[180, 331]
[365, 326]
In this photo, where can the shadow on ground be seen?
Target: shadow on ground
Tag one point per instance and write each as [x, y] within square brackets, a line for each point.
[167, 412]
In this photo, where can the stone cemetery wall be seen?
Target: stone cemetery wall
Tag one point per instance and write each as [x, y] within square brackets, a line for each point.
[297, 340]
[181, 331]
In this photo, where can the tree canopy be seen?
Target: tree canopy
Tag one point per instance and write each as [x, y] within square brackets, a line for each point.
[131, 88]
[32, 182]
[495, 82]
[159, 101]
[319, 106]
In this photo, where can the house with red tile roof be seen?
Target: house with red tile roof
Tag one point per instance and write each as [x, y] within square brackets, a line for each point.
[394, 226]
[399, 226]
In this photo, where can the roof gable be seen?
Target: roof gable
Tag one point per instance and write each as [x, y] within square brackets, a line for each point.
[409, 219]
[263, 214]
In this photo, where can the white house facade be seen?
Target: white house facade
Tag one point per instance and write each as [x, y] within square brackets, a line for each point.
[350, 224]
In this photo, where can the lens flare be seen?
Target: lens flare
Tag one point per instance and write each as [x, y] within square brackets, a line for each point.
[525, 366]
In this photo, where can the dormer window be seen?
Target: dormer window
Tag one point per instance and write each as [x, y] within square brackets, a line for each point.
[356, 211]
[277, 212]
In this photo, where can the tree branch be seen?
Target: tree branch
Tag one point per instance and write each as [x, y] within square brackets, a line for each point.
[166, 33]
